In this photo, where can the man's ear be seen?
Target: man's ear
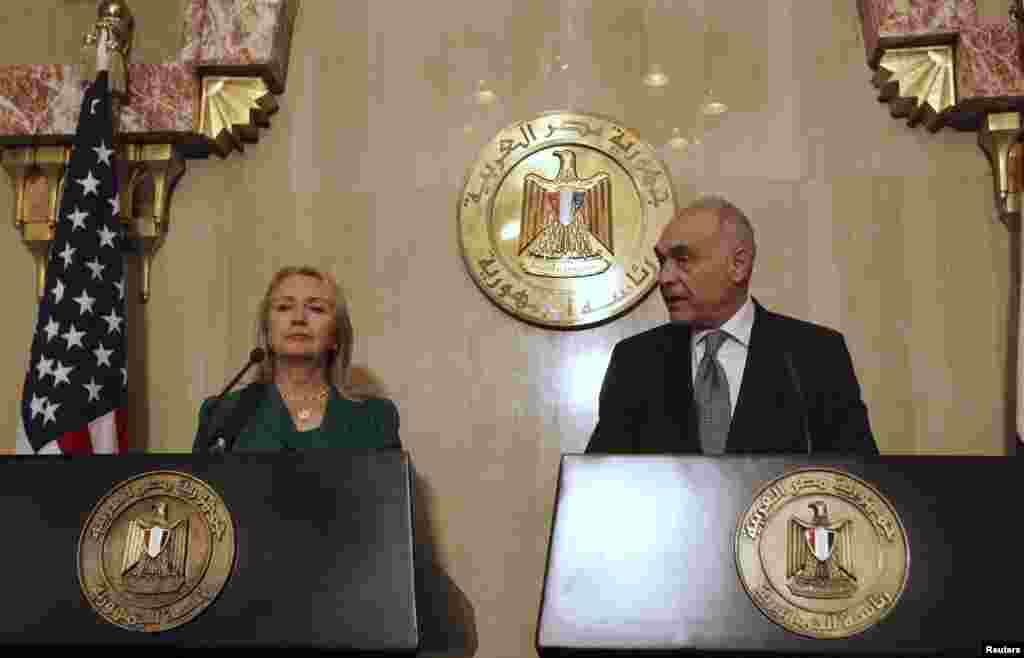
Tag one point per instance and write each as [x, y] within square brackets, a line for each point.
[741, 264]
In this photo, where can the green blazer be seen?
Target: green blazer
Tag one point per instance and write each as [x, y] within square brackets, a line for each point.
[365, 425]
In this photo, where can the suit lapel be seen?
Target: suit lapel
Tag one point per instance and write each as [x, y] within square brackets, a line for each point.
[679, 404]
[758, 388]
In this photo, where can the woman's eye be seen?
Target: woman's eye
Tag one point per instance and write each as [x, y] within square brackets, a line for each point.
[281, 307]
[317, 309]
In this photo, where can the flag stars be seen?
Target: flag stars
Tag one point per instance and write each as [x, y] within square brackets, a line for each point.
[78, 219]
[52, 329]
[89, 184]
[73, 337]
[50, 413]
[93, 388]
[72, 374]
[103, 153]
[37, 405]
[58, 292]
[102, 356]
[113, 321]
[67, 255]
[107, 237]
[44, 367]
[96, 267]
[61, 374]
[85, 302]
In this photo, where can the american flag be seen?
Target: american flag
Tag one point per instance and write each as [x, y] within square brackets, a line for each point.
[74, 390]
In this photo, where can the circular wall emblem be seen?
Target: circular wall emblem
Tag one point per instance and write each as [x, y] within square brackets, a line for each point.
[156, 551]
[559, 217]
[822, 553]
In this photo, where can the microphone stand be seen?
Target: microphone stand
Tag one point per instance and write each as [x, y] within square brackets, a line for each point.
[218, 444]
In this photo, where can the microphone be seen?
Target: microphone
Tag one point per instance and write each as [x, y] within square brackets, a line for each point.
[219, 444]
[800, 397]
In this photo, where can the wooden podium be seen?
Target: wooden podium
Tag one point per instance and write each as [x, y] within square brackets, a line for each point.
[643, 557]
[324, 551]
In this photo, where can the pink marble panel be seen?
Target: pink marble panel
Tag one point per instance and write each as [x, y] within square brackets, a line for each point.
[989, 63]
[38, 99]
[924, 16]
[194, 24]
[988, 54]
[869, 22]
[164, 98]
[45, 100]
[240, 33]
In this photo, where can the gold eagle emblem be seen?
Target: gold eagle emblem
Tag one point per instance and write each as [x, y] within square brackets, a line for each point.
[820, 556]
[155, 553]
[566, 226]
[832, 573]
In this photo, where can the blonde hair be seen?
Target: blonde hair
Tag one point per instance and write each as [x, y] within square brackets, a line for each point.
[339, 362]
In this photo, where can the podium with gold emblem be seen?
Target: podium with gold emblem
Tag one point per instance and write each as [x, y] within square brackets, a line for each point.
[249, 551]
[780, 555]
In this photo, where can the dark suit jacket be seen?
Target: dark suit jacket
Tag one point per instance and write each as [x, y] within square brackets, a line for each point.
[646, 403]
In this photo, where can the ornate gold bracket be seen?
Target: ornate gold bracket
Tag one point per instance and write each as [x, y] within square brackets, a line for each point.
[147, 176]
[997, 137]
[38, 174]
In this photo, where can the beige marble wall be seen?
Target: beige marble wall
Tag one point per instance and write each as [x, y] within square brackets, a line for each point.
[883, 231]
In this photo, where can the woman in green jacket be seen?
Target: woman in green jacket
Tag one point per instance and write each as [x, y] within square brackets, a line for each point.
[302, 397]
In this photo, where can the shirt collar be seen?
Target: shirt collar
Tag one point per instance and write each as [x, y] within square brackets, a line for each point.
[738, 327]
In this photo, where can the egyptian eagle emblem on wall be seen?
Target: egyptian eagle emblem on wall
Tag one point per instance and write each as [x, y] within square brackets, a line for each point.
[566, 226]
[820, 556]
[155, 553]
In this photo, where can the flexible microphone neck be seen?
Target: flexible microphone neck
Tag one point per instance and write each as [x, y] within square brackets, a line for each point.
[800, 398]
[218, 443]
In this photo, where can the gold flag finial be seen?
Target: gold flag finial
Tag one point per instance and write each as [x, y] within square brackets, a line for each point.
[115, 19]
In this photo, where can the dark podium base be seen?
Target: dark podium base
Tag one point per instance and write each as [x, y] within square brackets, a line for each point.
[324, 552]
[642, 558]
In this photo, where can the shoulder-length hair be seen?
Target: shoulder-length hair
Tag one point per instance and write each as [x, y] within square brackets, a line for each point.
[339, 362]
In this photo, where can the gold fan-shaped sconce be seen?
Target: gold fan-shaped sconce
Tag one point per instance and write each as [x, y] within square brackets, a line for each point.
[918, 83]
[233, 110]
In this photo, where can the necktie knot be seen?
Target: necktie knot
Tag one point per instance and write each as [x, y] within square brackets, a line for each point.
[713, 341]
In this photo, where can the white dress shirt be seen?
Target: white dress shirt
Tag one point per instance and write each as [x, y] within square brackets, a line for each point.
[733, 352]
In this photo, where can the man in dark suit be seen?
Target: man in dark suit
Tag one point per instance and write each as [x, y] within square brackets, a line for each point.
[726, 375]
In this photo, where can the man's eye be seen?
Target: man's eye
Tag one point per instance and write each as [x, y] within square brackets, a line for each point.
[282, 307]
[317, 309]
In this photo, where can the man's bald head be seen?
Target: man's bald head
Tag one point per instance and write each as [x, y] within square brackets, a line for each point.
[706, 257]
[734, 224]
